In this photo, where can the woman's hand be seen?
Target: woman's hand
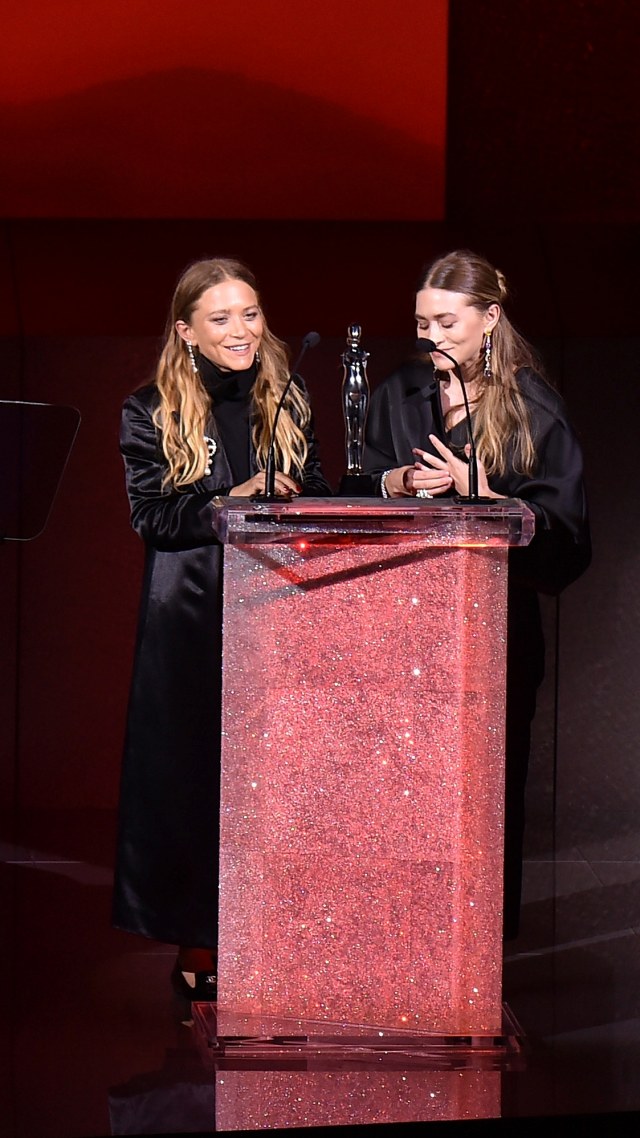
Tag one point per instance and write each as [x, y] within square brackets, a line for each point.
[284, 486]
[456, 468]
[430, 475]
[405, 481]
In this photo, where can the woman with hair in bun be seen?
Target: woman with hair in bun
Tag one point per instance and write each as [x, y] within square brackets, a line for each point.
[417, 444]
[202, 429]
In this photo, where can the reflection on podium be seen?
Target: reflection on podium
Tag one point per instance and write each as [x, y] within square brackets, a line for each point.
[277, 1099]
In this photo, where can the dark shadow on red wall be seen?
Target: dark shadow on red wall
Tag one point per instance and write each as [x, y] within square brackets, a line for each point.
[208, 144]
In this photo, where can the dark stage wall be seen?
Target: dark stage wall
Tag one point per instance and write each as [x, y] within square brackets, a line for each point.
[542, 177]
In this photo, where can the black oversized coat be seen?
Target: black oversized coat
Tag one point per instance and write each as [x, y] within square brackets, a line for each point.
[404, 410]
[166, 864]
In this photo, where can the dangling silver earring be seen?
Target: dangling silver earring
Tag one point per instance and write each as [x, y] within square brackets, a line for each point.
[257, 357]
[192, 357]
[487, 372]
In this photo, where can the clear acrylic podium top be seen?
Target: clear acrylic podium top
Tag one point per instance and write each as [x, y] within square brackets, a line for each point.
[337, 521]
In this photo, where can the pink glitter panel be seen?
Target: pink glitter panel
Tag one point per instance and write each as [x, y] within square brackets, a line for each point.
[260, 1100]
[362, 785]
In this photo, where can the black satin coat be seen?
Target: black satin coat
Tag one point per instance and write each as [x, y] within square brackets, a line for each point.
[404, 410]
[166, 877]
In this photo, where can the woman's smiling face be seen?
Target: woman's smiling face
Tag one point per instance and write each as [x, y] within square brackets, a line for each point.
[226, 325]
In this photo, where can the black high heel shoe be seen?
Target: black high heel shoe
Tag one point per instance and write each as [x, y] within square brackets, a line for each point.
[205, 988]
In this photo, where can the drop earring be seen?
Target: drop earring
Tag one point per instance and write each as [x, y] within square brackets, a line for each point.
[192, 357]
[487, 372]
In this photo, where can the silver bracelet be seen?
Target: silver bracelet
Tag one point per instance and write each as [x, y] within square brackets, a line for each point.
[383, 484]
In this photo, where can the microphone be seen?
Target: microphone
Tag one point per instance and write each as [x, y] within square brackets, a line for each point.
[426, 347]
[310, 341]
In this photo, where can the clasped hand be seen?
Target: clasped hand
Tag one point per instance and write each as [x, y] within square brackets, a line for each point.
[284, 486]
[438, 475]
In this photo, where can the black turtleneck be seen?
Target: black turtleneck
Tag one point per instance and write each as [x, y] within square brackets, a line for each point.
[230, 393]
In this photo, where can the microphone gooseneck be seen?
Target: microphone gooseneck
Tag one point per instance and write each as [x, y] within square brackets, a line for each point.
[309, 341]
[426, 347]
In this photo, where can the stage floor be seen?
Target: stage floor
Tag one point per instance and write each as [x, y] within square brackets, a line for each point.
[95, 1044]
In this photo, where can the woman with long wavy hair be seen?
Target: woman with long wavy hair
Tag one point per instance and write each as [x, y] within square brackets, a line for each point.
[202, 429]
[418, 444]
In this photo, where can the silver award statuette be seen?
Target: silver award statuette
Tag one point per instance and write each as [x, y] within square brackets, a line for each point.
[355, 405]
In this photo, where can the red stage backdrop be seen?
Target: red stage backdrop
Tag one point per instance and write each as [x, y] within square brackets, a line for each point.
[266, 109]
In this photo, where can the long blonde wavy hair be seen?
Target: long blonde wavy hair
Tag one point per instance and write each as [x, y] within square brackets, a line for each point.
[185, 405]
[501, 421]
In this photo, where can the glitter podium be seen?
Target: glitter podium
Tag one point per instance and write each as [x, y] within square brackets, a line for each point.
[361, 823]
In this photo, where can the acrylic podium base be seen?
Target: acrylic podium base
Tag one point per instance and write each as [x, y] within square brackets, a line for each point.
[362, 768]
[280, 1042]
[292, 1082]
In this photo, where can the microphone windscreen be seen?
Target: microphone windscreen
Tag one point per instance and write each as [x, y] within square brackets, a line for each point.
[425, 346]
[311, 339]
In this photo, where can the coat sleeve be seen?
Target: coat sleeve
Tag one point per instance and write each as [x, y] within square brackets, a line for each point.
[379, 446]
[561, 548]
[166, 520]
